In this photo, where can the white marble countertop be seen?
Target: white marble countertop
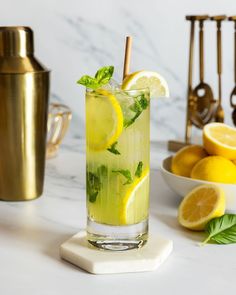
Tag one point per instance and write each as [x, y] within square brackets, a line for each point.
[31, 233]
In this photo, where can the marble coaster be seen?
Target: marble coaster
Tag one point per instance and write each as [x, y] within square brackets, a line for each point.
[79, 252]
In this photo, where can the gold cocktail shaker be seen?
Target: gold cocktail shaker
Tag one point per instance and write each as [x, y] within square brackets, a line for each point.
[24, 91]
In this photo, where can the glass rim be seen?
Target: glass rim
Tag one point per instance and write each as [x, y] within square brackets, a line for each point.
[146, 89]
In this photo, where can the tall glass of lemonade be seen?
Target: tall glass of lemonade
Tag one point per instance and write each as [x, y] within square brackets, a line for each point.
[117, 167]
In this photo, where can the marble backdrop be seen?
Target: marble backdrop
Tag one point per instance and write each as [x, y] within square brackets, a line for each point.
[74, 37]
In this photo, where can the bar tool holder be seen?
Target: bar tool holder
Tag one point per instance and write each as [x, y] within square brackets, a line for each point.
[200, 100]
[202, 108]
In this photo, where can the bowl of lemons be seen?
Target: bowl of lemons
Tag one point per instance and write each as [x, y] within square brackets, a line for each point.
[213, 164]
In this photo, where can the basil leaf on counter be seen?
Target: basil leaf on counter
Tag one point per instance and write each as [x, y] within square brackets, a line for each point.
[101, 78]
[126, 174]
[139, 169]
[221, 230]
[113, 149]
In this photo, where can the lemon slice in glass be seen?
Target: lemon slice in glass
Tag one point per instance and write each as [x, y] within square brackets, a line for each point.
[135, 203]
[147, 79]
[104, 119]
[202, 204]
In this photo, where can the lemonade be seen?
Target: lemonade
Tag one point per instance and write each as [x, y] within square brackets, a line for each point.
[117, 166]
[117, 156]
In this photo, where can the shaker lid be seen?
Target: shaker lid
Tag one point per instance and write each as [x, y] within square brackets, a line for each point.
[16, 41]
[17, 51]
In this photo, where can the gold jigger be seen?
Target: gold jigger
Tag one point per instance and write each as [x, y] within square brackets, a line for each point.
[24, 87]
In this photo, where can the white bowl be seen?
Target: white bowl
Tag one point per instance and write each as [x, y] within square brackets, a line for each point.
[183, 185]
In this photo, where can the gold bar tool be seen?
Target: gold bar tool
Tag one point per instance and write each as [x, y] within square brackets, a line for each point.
[233, 93]
[219, 112]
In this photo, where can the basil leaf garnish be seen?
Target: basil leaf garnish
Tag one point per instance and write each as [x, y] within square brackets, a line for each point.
[101, 78]
[104, 75]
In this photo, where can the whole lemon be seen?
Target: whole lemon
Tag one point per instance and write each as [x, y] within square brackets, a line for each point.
[186, 158]
[216, 169]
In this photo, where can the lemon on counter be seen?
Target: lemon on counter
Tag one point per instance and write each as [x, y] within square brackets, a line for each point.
[216, 169]
[202, 204]
[185, 159]
[147, 79]
[104, 119]
[220, 139]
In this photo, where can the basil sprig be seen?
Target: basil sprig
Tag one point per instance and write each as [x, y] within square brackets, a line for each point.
[94, 181]
[139, 169]
[221, 230]
[126, 174]
[112, 149]
[93, 186]
[102, 77]
[140, 104]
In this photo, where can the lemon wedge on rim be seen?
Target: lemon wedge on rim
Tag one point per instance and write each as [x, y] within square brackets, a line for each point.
[147, 79]
[104, 119]
[202, 204]
[135, 203]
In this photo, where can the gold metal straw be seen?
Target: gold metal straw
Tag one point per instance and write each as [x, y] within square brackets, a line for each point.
[128, 45]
